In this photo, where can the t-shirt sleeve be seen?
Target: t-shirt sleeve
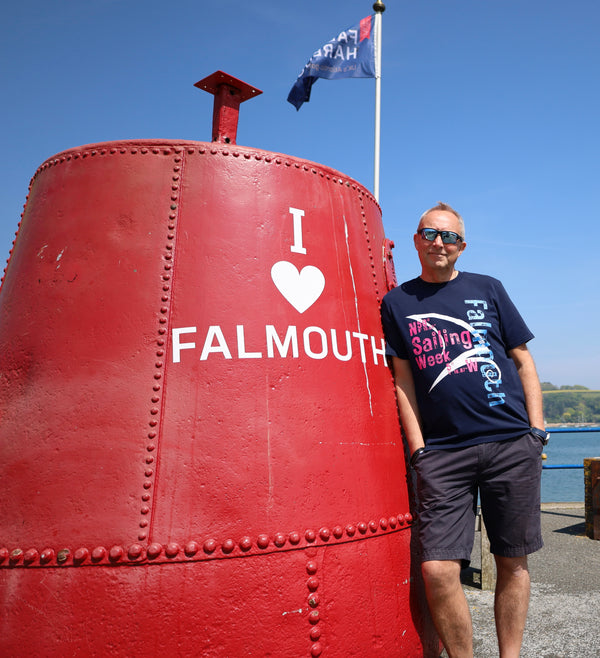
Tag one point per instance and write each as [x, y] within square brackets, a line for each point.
[394, 345]
[514, 330]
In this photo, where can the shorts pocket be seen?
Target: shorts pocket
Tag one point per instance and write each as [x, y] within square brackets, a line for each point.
[537, 442]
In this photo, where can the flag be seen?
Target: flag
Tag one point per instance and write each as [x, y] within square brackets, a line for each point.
[350, 55]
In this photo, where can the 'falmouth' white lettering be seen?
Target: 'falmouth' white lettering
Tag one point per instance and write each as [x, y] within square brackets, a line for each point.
[317, 343]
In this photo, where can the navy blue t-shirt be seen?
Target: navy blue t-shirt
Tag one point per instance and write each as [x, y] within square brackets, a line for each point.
[456, 336]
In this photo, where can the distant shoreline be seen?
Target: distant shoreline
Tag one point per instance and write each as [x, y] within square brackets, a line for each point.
[570, 425]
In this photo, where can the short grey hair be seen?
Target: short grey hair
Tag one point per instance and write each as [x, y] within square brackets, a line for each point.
[445, 207]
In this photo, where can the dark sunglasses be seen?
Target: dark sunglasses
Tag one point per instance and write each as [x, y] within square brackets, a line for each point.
[448, 237]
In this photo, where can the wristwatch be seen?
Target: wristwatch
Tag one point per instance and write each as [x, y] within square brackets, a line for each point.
[542, 435]
[416, 454]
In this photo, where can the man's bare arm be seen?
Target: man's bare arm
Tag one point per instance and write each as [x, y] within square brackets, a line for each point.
[407, 404]
[531, 384]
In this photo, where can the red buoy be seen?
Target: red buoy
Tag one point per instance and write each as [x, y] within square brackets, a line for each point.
[199, 446]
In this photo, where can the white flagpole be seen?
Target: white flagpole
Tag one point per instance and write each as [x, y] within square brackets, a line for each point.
[379, 8]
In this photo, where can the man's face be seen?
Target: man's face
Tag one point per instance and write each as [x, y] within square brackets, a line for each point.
[438, 259]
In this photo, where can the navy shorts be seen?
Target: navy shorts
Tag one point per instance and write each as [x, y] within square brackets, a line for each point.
[507, 475]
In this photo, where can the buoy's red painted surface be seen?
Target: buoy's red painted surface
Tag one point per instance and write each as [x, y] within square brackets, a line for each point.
[199, 446]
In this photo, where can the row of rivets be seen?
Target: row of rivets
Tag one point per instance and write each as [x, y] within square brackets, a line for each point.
[210, 548]
[121, 150]
[16, 234]
[214, 150]
[372, 259]
[202, 149]
[155, 398]
[99, 554]
[312, 584]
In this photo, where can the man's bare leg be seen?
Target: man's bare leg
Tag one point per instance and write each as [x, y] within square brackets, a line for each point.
[511, 603]
[448, 606]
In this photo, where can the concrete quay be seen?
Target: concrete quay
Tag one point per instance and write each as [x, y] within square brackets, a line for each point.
[564, 610]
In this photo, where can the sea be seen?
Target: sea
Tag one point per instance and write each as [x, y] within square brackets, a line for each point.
[567, 447]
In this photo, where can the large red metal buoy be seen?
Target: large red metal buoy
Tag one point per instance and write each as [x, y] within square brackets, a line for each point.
[199, 445]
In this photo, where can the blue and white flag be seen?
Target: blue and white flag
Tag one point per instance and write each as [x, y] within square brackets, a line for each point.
[349, 55]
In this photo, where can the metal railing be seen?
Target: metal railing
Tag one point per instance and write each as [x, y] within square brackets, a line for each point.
[568, 430]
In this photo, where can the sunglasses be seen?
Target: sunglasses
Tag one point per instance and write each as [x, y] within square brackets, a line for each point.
[448, 237]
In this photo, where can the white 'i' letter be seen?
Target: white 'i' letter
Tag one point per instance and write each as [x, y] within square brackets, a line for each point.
[297, 215]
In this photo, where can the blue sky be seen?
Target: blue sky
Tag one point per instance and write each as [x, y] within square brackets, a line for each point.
[490, 106]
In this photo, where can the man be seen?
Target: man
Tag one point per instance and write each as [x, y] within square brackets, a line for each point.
[470, 404]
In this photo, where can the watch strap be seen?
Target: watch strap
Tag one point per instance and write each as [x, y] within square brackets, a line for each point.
[541, 434]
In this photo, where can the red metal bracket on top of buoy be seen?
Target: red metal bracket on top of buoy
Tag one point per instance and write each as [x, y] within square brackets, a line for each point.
[229, 92]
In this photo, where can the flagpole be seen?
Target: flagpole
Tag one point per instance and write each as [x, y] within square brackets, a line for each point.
[379, 8]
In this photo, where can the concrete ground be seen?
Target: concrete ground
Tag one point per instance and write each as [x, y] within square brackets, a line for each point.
[564, 611]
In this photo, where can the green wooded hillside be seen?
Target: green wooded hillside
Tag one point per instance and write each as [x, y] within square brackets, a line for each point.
[570, 404]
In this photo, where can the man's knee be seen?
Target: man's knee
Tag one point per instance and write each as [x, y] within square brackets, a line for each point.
[512, 566]
[441, 573]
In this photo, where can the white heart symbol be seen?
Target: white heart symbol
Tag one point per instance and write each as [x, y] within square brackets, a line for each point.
[301, 289]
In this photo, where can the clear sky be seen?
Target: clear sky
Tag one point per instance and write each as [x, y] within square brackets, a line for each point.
[490, 106]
